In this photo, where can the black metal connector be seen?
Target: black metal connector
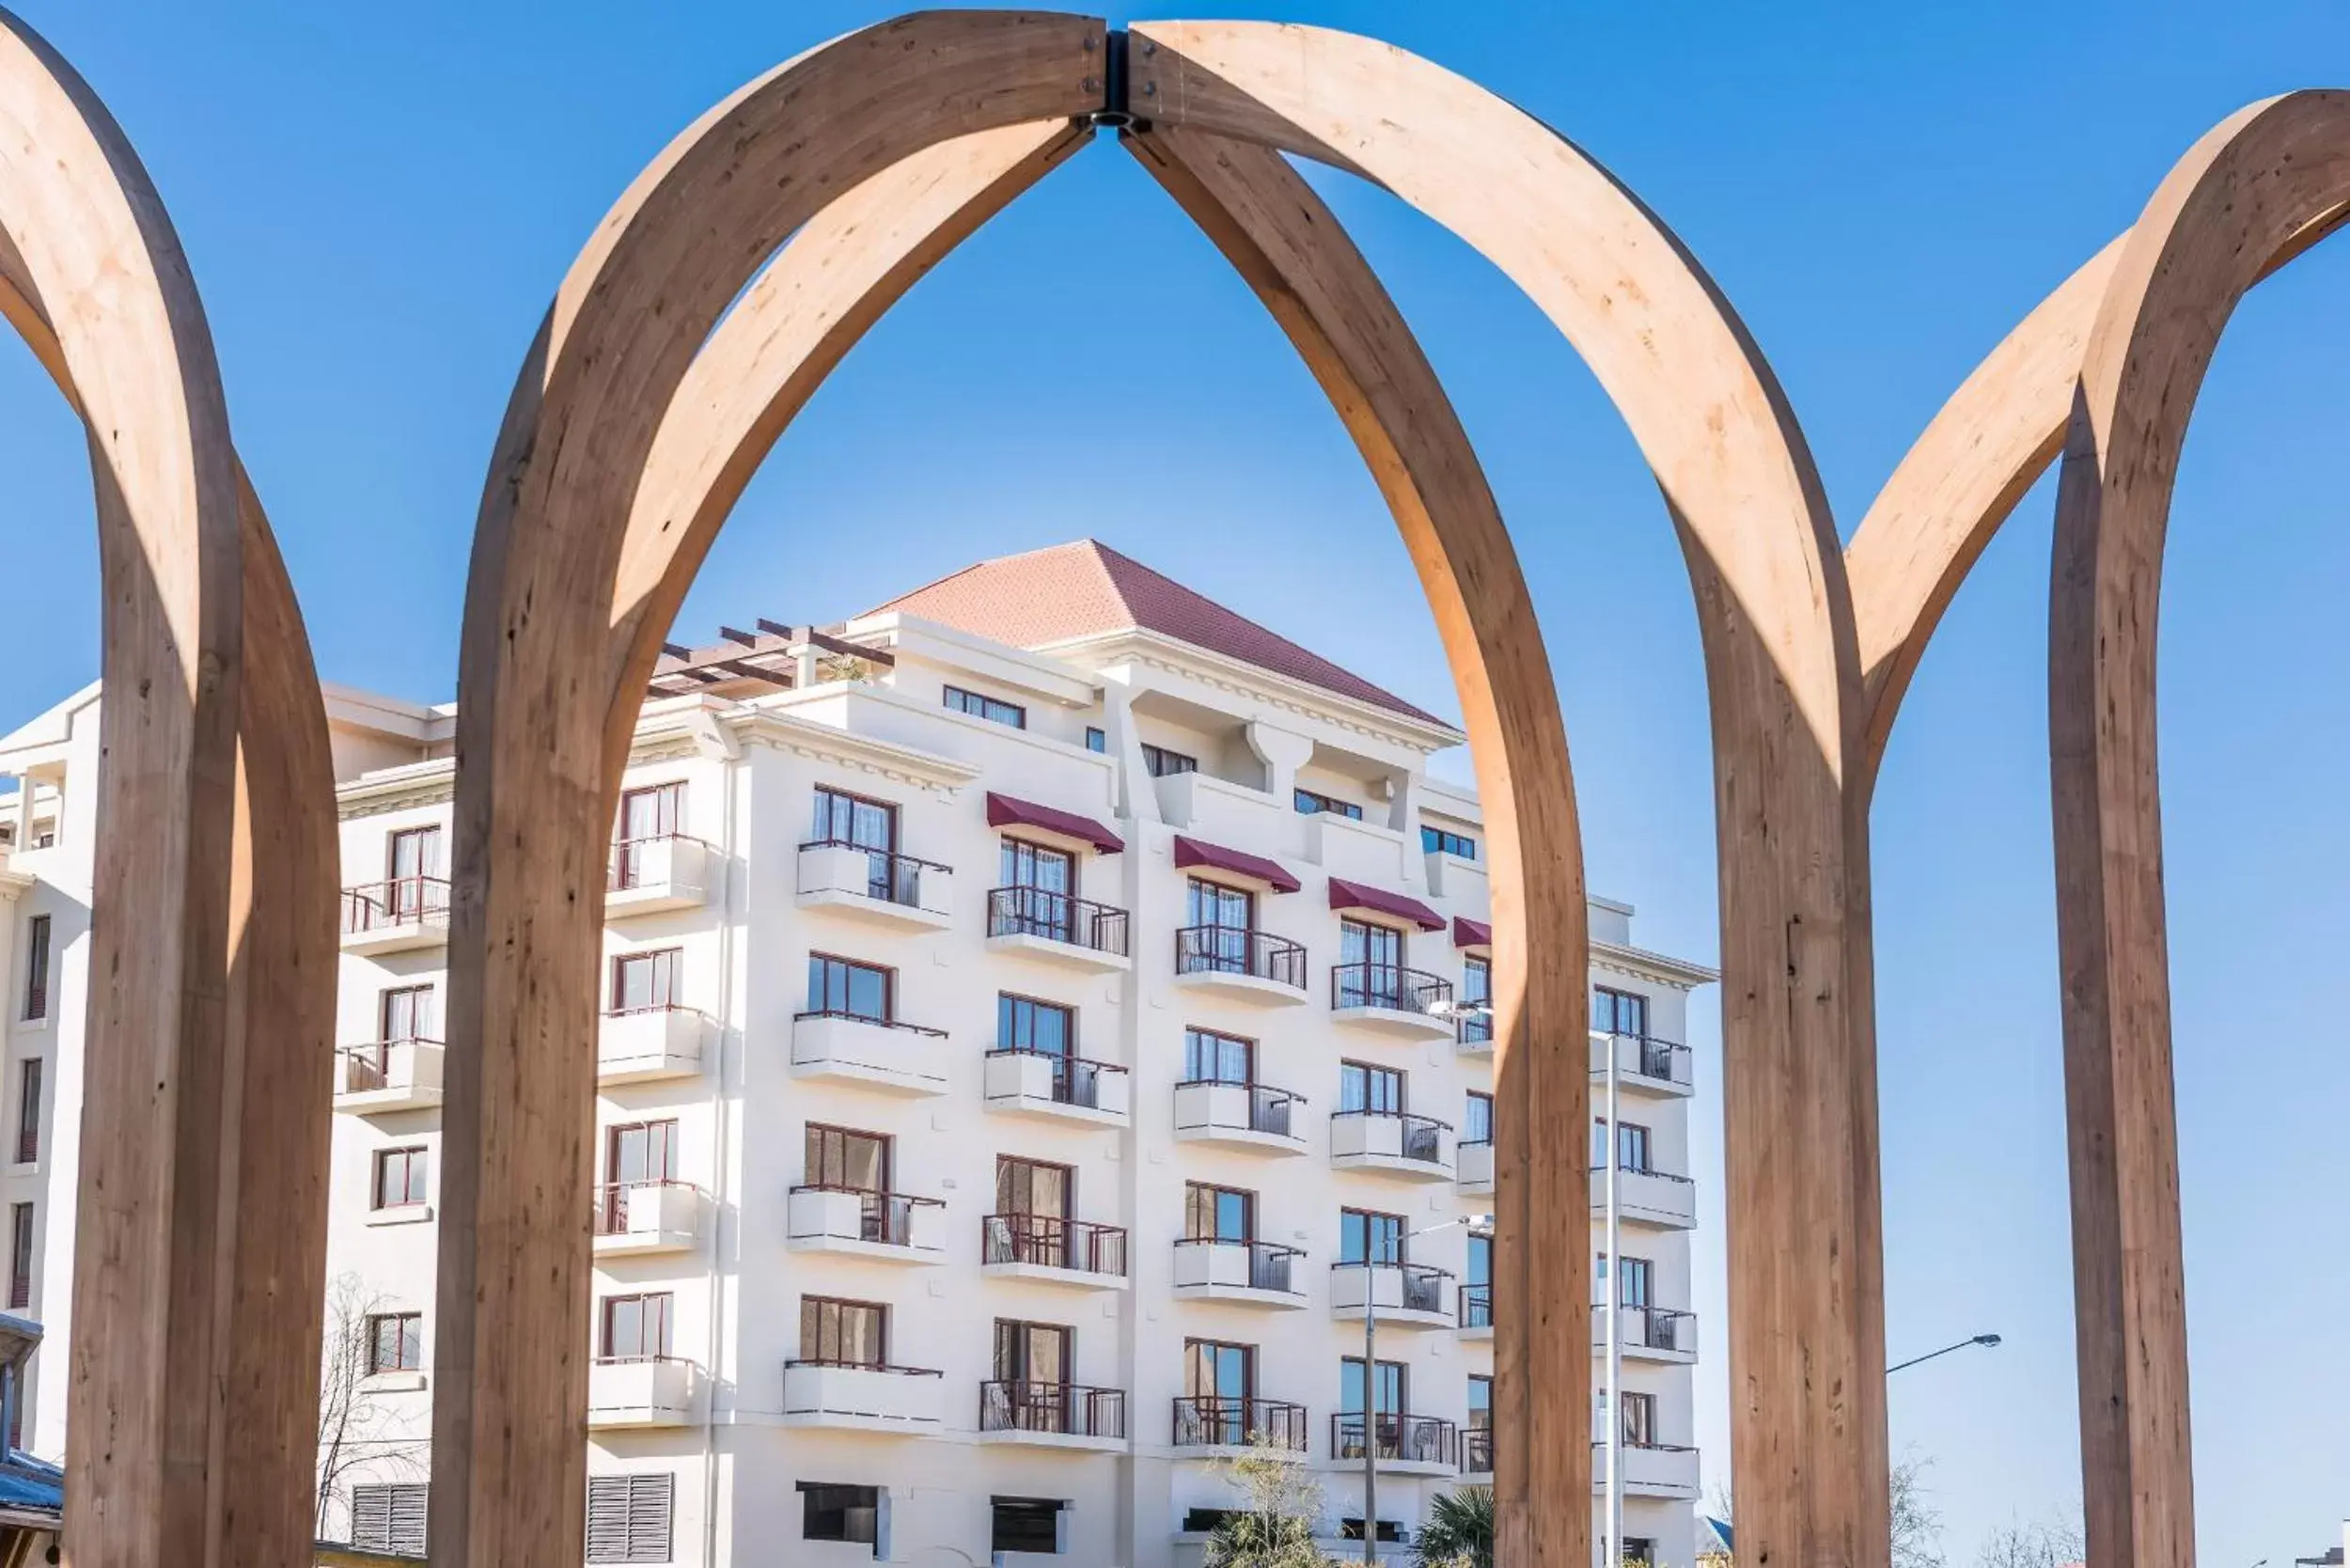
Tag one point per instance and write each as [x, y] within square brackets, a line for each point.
[1113, 114]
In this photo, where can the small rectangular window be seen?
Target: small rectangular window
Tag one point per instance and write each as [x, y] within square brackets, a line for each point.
[844, 1333]
[839, 1512]
[399, 1178]
[1310, 804]
[1477, 1123]
[842, 987]
[28, 1111]
[390, 1519]
[1097, 737]
[1160, 762]
[19, 1257]
[1025, 1024]
[1026, 1525]
[628, 1517]
[1619, 1013]
[646, 983]
[995, 710]
[395, 1342]
[637, 1327]
[1442, 840]
[36, 940]
[407, 1012]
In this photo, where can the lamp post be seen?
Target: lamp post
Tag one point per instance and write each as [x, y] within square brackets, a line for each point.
[1984, 1340]
[1371, 1371]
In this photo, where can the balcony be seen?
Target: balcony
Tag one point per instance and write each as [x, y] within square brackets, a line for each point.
[1477, 1311]
[1475, 1167]
[1209, 1426]
[1407, 1003]
[1239, 965]
[1476, 1454]
[1407, 1296]
[642, 1391]
[1473, 1033]
[1406, 1445]
[1055, 928]
[846, 1396]
[1053, 1415]
[388, 1076]
[1650, 1470]
[1072, 1252]
[1390, 1143]
[398, 916]
[647, 1043]
[1649, 1333]
[636, 1219]
[1643, 1065]
[647, 876]
[885, 1225]
[1023, 1081]
[1253, 1116]
[1647, 1198]
[878, 1052]
[876, 886]
[1249, 1273]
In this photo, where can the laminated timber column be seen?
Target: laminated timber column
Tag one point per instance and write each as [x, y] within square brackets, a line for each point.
[1807, 1355]
[201, 1247]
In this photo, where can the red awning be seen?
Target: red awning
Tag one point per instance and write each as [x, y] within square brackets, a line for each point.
[1353, 895]
[1197, 852]
[1011, 811]
[1471, 934]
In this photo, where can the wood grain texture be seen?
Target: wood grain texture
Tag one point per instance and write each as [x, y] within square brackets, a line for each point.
[2245, 192]
[1806, 1332]
[203, 1175]
[541, 733]
[1280, 237]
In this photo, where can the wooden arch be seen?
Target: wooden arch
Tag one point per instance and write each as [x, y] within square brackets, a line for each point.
[2107, 368]
[200, 1240]
[623, 451]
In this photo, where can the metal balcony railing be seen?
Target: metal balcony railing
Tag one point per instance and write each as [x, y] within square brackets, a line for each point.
[1214, 1420]
[1233, 950]
[1050, 1242]
[1476, 1450]
[1476, 1306]
[1063, 1409]
[884, 1218]
[1418, 1138]
[1270, 1110]
[1423, 1285]
[1390, 986]
[611, 1207]
[890, 877]
[634, 861]
[1076, 1080]
[396, 902]
[1056, 917]
[1271, 1265]
[1412, 1439]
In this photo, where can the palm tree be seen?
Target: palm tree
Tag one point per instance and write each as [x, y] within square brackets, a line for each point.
[1459, 1532]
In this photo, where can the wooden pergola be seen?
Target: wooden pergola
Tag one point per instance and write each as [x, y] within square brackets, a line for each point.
[711, 303]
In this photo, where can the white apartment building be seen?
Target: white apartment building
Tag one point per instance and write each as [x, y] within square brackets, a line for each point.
[1036, 1015]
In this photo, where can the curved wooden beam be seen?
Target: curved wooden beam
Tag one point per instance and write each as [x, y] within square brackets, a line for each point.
[1280, 237]
[541, 747]
[2243, 194]
[1806, 1332]
[200, 1246]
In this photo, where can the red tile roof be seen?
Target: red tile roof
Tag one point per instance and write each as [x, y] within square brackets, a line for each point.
[1086, 588]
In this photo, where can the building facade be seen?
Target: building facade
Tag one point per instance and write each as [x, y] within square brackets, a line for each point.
[1034, 1016]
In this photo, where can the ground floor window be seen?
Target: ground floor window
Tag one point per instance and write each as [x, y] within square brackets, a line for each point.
[628, 1517]
[830, 1513]
[1026, 1525]
[389, 1519]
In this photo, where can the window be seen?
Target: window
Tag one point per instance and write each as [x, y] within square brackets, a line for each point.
[1025, 1024]
[1033, 1188]
[1477, 991]
[646, 983]
[994, 709]
[395, 1342]
[1619, 1013]
[628, 1517]
[1026, 865]
[37, 967]
[19, 1257]
[844, 987]
[1476, 1121]
[1214, 1370]
[1632, 1288]
[1638, 1550]
[655, 812]
[1026, 1525]
[1479, 1269]
[1443, 840]
[842, 1157]
[844, 1333]
[637, 1327]
[1364, 1088]
[28, 1111]
[839, 1513]
[1159, 763]
[399, 1178]
[638, 1152]
[1310, 804]
[1387, 1384]
[1218, 1214]
[1097, 739]
[45, 832]
[1219, 1059]
[1480, 1401]
[1632, 1146]
[1032, 1352]
[411, 855]
[846, 819]
[389, 1519]
[1368, 1236]
[407, 1012]
[1639, 1420]
[1221, 908]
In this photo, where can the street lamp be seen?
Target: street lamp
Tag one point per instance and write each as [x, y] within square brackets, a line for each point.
[1984, 1340]
[1371, 1369]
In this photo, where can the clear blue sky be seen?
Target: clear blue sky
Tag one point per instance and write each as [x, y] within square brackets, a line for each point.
[378, 213]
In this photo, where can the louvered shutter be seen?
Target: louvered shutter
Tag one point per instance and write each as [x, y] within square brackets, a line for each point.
[372, 1517]
[410, 1505]
[628, 1517]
